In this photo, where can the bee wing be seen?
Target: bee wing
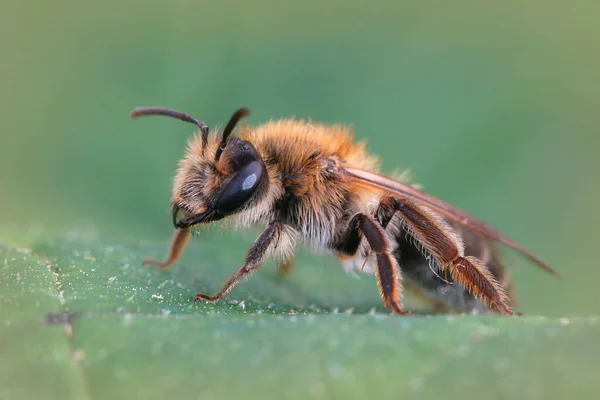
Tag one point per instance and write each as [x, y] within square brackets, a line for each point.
[404, 191]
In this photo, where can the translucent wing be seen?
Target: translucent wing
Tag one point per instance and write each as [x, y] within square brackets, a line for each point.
[448, 211]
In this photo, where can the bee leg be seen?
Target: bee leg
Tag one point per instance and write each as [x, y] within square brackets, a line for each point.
[253, 262]
[440, 240]
[178, 243]
[286, 266]
[388, 273]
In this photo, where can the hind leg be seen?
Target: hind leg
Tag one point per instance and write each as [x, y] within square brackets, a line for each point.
[443, 271]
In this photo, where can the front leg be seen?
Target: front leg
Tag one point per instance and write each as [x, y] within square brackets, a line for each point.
[254, 260]
[180, 239]
[286, 266]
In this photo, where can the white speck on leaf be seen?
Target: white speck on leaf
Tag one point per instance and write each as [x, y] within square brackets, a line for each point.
[128, 319]
[416, 384]
[102, 354]
[78, 355]
[487, 330]
[463, 351]
[157, 296]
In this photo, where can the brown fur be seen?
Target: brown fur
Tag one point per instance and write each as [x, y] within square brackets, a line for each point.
[311, 201]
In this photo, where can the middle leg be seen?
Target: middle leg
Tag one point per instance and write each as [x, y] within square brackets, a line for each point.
[387, 272]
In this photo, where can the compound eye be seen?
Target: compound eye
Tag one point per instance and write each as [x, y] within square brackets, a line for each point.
[241, 188]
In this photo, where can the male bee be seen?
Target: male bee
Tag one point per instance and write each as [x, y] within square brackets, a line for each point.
[311, 183]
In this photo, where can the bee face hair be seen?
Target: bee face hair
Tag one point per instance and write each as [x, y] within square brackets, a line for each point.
[219, 176]
[207, 189]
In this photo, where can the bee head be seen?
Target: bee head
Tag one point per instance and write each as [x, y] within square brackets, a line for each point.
[219, 176]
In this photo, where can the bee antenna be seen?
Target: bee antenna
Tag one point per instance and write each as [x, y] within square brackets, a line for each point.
[235, 118]
[143, 111]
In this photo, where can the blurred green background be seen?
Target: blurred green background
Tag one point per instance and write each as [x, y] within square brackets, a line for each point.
[493, 106]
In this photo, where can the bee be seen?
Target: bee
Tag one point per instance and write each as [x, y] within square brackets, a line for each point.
[312, 184]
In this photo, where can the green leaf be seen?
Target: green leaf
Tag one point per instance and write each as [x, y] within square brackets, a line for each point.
[36, 356]
[82, 318]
